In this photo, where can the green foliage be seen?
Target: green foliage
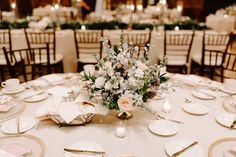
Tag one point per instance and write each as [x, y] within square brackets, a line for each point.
[189, 25]
[142, 26]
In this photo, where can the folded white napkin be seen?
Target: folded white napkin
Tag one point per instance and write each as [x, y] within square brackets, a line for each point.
[54, 79]
[59, 91]
[191, 80]
[68, 110]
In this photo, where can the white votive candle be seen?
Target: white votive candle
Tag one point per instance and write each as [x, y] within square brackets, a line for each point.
[120, 132]
[166, 107]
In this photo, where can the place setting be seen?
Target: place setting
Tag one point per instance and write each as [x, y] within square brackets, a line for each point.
[34, 96]
[163, 125]
[183, 148]
[18, 125]
[204, 94]
[84, 149]
[195, 108]
[227, 120]
[229, 104]
[224, 147]
[12, 86]
[229, 87]
[21, 145]
[10, 107]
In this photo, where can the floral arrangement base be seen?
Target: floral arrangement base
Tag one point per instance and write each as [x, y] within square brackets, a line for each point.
[124, 115]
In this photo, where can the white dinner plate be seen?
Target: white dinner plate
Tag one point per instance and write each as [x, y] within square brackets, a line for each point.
[25, 124]
[4, 91]
[224, 89]
[203, 94]
[178, 144]
[163, 127]
[84, 145]
[228, 154]
[196, 108]
[229, 103]
[35, 98]
[226, 119]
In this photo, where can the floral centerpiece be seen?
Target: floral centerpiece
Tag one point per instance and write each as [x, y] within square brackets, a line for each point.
[123, 79]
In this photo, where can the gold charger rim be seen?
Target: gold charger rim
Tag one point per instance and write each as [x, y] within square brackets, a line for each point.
[37, 139]
[217, 142]
[16, 114]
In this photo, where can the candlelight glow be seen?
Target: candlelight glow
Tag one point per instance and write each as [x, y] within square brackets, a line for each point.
[162, 2]
[83, 27]
[132, 7]
[13, 5]
[140, 7]
[56, 6]
[179, 8]
[176, 28]
[166, 107]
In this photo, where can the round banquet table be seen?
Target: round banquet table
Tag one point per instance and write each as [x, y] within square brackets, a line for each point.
[139, 141]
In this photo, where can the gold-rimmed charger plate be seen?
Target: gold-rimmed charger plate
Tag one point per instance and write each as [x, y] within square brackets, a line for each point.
[17, 109]
[35, 144]
[221, 147]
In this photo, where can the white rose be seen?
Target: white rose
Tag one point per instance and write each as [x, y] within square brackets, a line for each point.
[89, 69]
[141, 65]
[99, 82]
[108, 86]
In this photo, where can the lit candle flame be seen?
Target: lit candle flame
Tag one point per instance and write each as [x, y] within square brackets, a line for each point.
[179, 8]
[166, 107]
[162, 2]
[132, 7]
[13, 5]
[140, 7]
[56, 6]
[176, 28]
[83, 27]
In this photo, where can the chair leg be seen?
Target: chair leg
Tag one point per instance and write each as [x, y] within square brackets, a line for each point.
[201, 72]
[61, 65]
[222, 74]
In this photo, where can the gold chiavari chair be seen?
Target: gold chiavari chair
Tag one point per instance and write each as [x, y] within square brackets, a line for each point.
[214, 49]
[38, 38]
[177, 47]
[87, 43]
[28, 62]
[5, 41]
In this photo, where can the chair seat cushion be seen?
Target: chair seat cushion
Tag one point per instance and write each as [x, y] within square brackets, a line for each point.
[58, 59]
[4, 62]
[197, 58]
[176, 60]
[86, 58]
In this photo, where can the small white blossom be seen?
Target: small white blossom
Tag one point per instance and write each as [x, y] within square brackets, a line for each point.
[99, 82]
[139, 73]
[108, 86]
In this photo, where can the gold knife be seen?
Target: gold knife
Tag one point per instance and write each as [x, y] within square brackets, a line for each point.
[233, 123]
[83, 151]
[184, 149]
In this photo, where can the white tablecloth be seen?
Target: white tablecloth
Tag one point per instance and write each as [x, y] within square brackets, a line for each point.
[65, 45]
[139, 140]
